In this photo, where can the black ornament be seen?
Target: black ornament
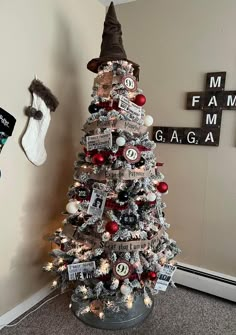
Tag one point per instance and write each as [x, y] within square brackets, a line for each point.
[82, 193]
[129, 219]
[140, 163]
[93, 108]
[123, 196]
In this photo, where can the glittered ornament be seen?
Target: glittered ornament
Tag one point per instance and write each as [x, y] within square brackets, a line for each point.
[123, 196]
[120, 141]
[93, 108]
[151, 196]
[152, 275]
[129, 219]
[125, 289]
[140, 100]
[112, 227]
[148, 120]
[162, 187]
[71, 207]
[81, 193]
[98, 159]
[140, 163]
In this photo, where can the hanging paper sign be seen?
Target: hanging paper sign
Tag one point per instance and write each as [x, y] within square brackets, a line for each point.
[130, 83]
[123, 103]
[101, 141]
[75, 269]
[129, 106]
[129, 126]
[164, 277]
[135, 109]
[134, 245]
[122, 269]
[125, 174]
[131, 154]
[97, 203]
[137, 245]
[129, 219]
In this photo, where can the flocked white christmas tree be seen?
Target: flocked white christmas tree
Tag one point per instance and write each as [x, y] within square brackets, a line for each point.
[114, 246]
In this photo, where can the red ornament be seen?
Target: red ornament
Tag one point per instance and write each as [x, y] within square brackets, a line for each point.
[162, 187]
[152, 275]
[140, 100]
[144, 276]
[133, 276]
[98, 159]
[112, 227]
[104, 278]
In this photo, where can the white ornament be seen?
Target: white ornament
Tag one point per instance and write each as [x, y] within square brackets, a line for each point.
[151, 196]
[148, 120]
[71, 207]
[120, 141]
[125, 289]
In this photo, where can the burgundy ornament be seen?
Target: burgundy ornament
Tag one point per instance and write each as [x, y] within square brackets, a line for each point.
[98, 159]
[112, 227]
[133, 276]
[140, 100]
[162, 187]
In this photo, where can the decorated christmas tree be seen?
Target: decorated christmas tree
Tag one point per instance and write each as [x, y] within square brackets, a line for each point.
[114, 249]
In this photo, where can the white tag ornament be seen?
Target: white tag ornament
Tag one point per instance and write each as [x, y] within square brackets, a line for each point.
[164, 277]
[78, 270]
[97, 203]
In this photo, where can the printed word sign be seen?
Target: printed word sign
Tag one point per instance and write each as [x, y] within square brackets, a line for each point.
[122, 269]
[211, 102]
[101, 141]
[80, 268]
[164, 277]
[97, 203]
[129, 106]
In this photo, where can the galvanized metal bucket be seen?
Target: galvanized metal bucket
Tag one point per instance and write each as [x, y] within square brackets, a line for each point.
[116, 320]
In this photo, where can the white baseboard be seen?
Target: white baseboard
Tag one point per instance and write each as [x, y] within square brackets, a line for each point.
[193, 280]
[25, 306]
[202, 283]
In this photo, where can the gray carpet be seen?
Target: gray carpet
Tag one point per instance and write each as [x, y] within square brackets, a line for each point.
[177, 312]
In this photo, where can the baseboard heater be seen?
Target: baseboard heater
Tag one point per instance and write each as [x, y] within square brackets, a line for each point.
[207, 281]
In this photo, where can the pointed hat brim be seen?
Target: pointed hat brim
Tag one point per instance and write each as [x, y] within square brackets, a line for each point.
[94, 63]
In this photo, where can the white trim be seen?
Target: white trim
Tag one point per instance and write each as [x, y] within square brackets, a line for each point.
[204, 284]
[198, 282]
[25, 305]
[116, 2]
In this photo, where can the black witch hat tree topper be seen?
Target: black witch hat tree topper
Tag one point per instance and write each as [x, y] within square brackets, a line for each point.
[211, 101]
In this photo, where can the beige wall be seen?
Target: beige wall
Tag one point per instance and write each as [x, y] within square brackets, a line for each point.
[176, 43]
[53, 39]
